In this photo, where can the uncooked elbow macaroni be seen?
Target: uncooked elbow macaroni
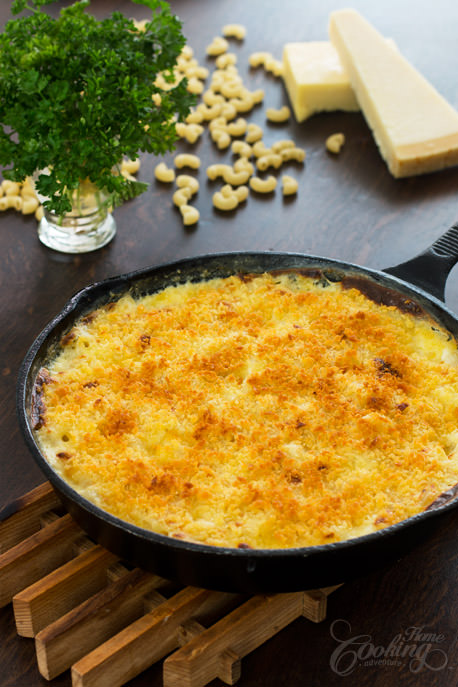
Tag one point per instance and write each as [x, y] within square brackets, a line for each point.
[29, 205]
[242, 193]
[194, 117]
[190, 214]
[211, 98]
[11, 202]
[163, 173]
[258, 59]
[269, 160]
[187, 181]
[218, 46]
[225, 60]
[296, 154]
[226, 199]
[335, 142]
[234, 31]
[273, 66]
[236, 178]
[278, 146]
[237, 128]
[11, 188]
[259, 149]
[187, 160]
[254, 133]
[130, 166]
[181, 196]
[281, 115]
[242, 148]
[217, 170]
[263, 185]
[289, 185]
[191, 132]
[222, 107]
[195, 86]
[243, 164]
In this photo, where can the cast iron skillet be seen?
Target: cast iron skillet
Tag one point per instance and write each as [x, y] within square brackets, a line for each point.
[250, 570]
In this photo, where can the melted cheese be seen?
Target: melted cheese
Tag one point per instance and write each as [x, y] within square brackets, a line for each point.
[268, 411]
[415, 128]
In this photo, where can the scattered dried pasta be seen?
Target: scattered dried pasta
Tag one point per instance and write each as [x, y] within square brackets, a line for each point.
[273, 66]
[19, 196]
[226, 199]
[270, 160]
[277, 116]
[11, 201]
[217, 170]
[211, 98]
[29, 205]
[130, 166]
[260, 149]
[194, 117]
[209, 113]
[237, 128]
[243, 164]
[190, 214]
[263, 185]
[191, 132]
[234, 31]
[335, 142]
[225, 60]
[221, 110]
[195, 86]
[242, 193]
[254, 133]
[278, 146]
[242, 148]
[187, 160]
[187, 181]
[11, 188]
[164, 173]
[181, 196]
[289, 185]
[296, 154]
[258, 59]
[218, 46]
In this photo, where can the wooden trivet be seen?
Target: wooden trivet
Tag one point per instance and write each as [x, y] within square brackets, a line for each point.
[89, 612]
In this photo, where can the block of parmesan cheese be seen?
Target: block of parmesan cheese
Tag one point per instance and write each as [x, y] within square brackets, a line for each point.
[316, 80]
[415, 128]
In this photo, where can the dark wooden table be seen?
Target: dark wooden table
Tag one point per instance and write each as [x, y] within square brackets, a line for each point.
[347, 207]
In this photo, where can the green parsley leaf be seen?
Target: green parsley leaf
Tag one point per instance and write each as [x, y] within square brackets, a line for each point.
[76, 96]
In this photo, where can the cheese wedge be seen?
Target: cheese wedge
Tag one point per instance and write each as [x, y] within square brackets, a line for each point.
[315, 79]
[415, 128]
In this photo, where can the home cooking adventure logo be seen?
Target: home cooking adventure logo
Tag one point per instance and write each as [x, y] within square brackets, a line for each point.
[414, 648]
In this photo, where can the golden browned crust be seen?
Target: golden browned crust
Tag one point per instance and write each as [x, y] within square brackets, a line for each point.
[271, 411]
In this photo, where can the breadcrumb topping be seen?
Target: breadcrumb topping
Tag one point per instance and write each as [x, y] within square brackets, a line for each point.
[268, 411]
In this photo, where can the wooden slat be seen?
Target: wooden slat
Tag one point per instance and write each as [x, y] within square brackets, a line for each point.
[28, 561]
[315, 605]
[61, 590]
[230, 665]
[143, 643]
[21, 518]
[91, 623]
[204, 658]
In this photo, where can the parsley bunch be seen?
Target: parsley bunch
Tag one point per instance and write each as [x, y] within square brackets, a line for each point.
[76, 96]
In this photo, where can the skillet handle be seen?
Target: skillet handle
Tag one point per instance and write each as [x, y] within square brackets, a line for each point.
[429, 270]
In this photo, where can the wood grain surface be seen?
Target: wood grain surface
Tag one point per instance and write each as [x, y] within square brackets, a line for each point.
[347, 207]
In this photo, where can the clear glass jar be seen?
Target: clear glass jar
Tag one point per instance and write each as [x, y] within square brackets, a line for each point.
[89, 225]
